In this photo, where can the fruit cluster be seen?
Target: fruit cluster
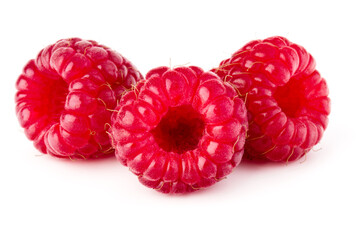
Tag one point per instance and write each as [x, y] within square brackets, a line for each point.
[180, 129]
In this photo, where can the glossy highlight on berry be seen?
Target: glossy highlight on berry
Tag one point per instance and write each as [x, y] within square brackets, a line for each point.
[180, 130]
[286, 98]
[66, 95]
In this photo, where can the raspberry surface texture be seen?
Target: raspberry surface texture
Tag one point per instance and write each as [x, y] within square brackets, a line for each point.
[180, 130]
[66, 95]
[286, 98]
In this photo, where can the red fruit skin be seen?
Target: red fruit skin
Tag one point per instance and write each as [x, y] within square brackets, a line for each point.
[286, 98]
[180, 130]
[65, 97]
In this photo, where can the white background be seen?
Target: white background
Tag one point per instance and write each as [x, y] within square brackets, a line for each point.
[318, 197]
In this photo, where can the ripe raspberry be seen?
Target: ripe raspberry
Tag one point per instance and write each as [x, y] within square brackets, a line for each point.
[286, 98]
[65, 96]
[180, 130]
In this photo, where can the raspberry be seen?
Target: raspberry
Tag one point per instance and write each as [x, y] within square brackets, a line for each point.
[180, 130]
[66, 95]
[286, 98]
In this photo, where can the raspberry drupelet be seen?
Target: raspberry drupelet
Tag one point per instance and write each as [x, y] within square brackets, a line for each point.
[66, 95]
[180, 130]
[286, 98]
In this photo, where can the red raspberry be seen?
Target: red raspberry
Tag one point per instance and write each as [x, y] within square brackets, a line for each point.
[286, 98]
[180, 130]
[66, 95]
